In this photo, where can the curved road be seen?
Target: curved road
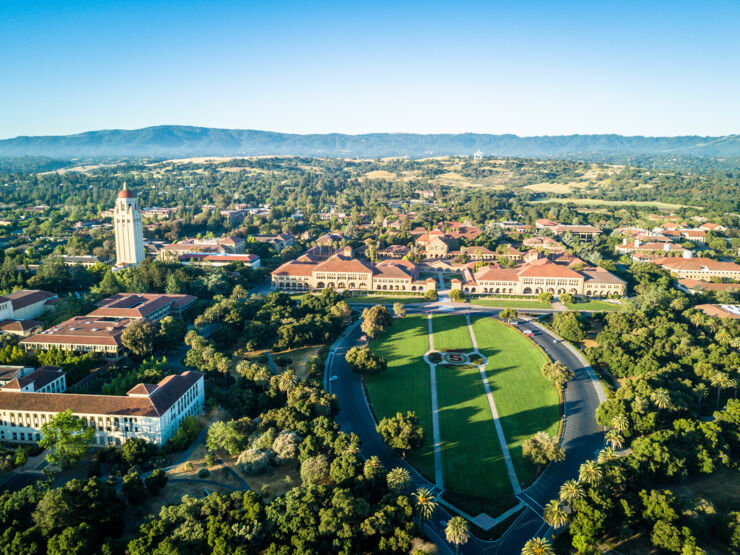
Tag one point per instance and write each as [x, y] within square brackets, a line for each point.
[582, 438]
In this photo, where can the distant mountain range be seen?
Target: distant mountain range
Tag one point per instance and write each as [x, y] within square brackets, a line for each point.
[186, 141]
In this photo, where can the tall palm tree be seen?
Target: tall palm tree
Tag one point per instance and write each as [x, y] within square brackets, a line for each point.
[425, 505]
[614, 439]
[554, 514]
[570, 491]
[607, 454]
[262, 378]
[323, 406]
[590, 473]
[719, 380]
[398, 480]
[702, 391]
[457, 532]
[288, 381]
[661, 398]
[620, 423]
[538, 546]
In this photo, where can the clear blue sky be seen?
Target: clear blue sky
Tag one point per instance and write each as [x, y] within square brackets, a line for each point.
[530, 68]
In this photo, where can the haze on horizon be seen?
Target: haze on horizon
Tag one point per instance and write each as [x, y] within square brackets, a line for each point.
[529, 68]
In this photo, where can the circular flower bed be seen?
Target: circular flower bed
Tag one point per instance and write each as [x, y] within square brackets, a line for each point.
[455, 358]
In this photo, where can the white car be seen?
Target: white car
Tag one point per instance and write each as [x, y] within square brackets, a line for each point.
[528, 333]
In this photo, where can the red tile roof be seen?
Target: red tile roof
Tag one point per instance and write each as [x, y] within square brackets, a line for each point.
[168, 391]
[338, 263]
[21, 299]
[697, 264]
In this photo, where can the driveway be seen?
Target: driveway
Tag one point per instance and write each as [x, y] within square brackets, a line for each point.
[582, 437]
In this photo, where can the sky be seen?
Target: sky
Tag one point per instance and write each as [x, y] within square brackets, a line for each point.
[523, 67]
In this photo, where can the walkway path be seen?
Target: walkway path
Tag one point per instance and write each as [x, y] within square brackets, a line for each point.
[438, 475]
[582, 437]
[494, 413]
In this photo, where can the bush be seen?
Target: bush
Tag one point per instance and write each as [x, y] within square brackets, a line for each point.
[134, 489]
[209, 459]
[567, 298]
[362, 361]
[255, 461]
[184, 436]
[203, 473]
[476, 360]
[156, 482]
[431, 295]
[315, 470]
[286, 446]
[435, 357]
[457, 296]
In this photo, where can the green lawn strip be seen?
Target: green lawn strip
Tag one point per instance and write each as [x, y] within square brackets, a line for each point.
[451, 332]
[472, 461]
[387, 299]
[505, 303]
[597, 305]
[405, 384]
[526, 402]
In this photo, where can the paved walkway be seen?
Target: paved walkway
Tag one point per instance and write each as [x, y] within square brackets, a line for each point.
[496, 422]
[438, 474]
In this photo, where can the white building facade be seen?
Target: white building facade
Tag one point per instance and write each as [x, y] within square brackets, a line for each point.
[128, 229]
[150, 412]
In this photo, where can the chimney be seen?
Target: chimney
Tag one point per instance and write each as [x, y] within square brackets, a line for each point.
[347, 251]
[637, 243]
[624, 241]
[667, 247]
[688, 254]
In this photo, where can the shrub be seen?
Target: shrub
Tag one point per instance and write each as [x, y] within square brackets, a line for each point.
[255, 461]
[156, 482]
[457, 296]
[315, 470]
[435, 357]
[431, 295]
[209, 459]
[286, 446]
[203, 473]
[184, 436]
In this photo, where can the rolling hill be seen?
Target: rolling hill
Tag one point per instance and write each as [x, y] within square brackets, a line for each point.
[183, 141]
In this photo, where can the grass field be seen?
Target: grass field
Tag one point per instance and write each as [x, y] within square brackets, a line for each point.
[507, 303]
[597, 305]
[451, 332]
[472, 461]
[596, 201]
[387, 299]
[405, 384]
[526, 402]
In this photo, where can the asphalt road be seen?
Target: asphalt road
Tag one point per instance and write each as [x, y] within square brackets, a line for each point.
[582, 437]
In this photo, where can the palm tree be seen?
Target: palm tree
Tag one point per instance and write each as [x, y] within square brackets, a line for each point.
[607, 454]
[323, 406]
[457, 532]
[288, 381]
[555, 515]
[661, 398]
[614, 438]
[590, 473]
[425, 505]
[538, 546]
[719, 380]
[262, 378]
[570, 491]
[620, 423]
[398, 480]
[702, 391]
